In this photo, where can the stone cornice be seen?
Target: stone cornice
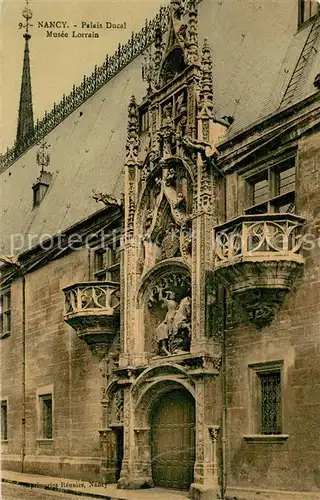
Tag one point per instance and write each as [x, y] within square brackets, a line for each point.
[287, 125]
[87, 230]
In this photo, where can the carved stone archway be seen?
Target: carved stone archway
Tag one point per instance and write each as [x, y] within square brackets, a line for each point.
[147, 393]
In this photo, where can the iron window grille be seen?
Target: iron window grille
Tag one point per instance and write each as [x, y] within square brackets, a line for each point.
[5, 314]
[4, 420]
[270, 402]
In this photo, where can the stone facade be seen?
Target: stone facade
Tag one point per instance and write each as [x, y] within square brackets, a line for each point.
[203, 326]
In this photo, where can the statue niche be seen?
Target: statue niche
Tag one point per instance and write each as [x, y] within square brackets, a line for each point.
[172, 332]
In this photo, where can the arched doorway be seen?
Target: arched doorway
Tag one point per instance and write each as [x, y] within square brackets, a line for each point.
[173, 440]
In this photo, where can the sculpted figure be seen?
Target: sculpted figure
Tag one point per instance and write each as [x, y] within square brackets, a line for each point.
[181, 328]
[173, 334]
[163, 330]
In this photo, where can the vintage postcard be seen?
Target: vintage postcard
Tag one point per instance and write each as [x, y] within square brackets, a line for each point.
[160, 249]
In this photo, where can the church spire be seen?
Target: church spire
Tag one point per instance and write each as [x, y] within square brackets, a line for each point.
[25, 118]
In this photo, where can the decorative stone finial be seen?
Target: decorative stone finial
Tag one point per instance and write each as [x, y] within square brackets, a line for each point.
[133, 143]
[206, 86]
[192, 35]
[158, 50]
[176, 9]
[148, 70]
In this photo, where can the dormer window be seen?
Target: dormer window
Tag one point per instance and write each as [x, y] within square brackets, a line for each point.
[40, 188]
[307, 10]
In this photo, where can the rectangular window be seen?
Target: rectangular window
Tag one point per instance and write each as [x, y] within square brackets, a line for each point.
[273, 190]
[260, 191]
[102, 261]
[270, 405]
[4, 420]
[99, 262]
[267, 405]
[5, 314]
[36, 197]
[144, 121]
[107, 264]
[307, 10]
[46, 416]
[286, 181]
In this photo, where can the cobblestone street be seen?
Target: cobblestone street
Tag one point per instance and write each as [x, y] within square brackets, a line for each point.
[17, 492]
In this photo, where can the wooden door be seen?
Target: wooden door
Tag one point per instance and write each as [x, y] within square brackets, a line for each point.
[173, 440]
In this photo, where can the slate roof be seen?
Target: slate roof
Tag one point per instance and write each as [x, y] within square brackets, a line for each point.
[255, 46]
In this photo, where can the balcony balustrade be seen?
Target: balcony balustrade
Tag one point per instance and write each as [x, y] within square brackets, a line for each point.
[258, 257]
[93, 310]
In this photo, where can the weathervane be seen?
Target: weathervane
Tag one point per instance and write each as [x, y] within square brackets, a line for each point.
[27, 14]
[43, 156]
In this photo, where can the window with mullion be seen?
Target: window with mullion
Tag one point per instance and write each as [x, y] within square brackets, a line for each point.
[307, 10]
[105, 261]
[4, 420]
[273, 190]
[5, 314]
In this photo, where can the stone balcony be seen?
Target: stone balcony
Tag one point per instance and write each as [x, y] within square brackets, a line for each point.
[93, 309]
[258, 257]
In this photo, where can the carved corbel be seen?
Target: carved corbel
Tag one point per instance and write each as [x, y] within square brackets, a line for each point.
[214, 432]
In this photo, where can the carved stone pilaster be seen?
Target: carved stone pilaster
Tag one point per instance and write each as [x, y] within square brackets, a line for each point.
[133, 143]
[108, 445]
[142, 461]
[192, 34]
[206, 87]
[206, 467]
[136, 465]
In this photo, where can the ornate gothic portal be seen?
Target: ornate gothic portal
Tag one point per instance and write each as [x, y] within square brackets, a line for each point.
[166, 384]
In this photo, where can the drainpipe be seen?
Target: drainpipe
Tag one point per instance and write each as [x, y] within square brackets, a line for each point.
[224, 372]
[23, 422]
[224, 395]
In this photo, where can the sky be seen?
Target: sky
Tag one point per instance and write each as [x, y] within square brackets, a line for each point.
[58, 63]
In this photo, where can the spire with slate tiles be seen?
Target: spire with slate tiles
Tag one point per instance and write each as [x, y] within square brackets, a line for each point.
[25, 118]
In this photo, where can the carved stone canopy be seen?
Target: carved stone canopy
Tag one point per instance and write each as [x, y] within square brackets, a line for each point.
[164, 214]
